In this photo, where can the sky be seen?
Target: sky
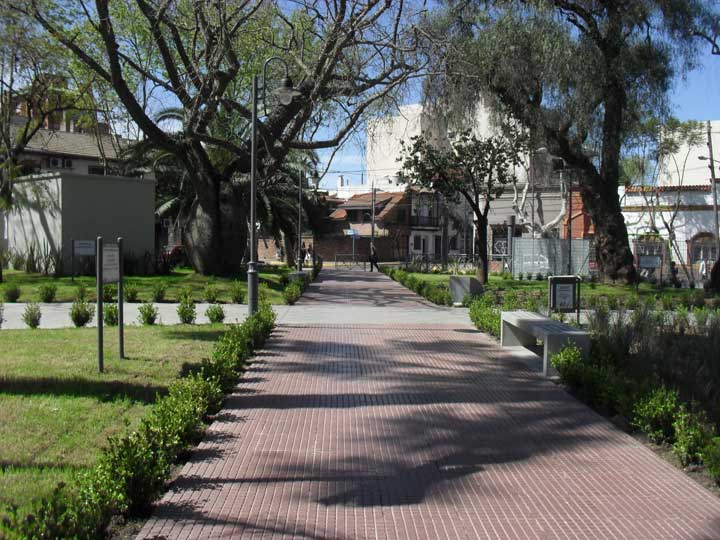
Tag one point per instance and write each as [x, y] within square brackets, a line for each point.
[695, 98]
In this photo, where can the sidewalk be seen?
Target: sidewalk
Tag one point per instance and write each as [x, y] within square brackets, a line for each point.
[403, 430]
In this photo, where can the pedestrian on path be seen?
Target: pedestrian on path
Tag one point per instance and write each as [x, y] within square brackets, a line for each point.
[373, 258]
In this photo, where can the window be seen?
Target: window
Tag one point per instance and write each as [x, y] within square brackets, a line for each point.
[702, 248]
[417, 246]
[453, 243]
[96, 169]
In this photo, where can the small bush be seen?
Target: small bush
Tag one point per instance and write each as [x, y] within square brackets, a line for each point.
[692, 435]
[711, 458]
[81, 313]
[148, 313]
[681, 320]
[237, 292]
[31, 316]
[292, 293]
[130, 293]
[158, 291]
[47, 292]
[654, 414]
[186, 311]
[539, 276]
[612, 303]
[215, 313]
[186, 295]
[667, 302]
[632, 301]
[80, 292]
[211, 294]
[11, 293]
[110, 314]
[108, 292]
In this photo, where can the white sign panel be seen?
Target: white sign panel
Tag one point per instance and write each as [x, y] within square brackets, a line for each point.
[111, 263]
[564, 296]
[84, 247]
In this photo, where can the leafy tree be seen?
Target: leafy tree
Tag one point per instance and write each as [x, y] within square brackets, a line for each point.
[475, 168]
[347, 59]
[579, 74]
[34, 88]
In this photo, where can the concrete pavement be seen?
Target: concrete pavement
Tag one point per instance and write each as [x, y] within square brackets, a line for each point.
[396, 429]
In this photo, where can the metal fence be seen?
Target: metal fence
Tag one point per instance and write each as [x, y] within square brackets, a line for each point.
[349, 260]
[550, 256]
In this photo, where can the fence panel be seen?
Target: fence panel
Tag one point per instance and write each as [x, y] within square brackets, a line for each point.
[550, 255]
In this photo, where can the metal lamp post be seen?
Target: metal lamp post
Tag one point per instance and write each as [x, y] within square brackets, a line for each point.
[299, 230]
[285, 95]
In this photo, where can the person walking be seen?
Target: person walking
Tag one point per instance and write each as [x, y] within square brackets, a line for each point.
[373, 258]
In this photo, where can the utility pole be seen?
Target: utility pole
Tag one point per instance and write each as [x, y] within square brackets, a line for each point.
[714, 189]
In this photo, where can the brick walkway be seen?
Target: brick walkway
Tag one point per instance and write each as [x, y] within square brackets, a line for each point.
[392, 431]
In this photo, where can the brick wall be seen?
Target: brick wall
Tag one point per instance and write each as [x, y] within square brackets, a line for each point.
[327, 246]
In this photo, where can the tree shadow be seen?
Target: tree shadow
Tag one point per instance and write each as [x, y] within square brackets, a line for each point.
[103, 391]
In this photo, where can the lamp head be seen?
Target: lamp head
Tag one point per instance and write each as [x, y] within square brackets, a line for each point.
[702, 158]
[285, 93]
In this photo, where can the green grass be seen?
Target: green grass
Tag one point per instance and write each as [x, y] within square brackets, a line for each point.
[176, 282]
[57, 411]
[587, 289]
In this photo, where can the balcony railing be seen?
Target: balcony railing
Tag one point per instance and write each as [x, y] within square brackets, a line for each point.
[424, 221]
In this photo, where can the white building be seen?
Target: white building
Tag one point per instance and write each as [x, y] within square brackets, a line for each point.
[680, 211]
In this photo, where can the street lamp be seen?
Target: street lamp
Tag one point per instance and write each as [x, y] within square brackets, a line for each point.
[711, 166]
[285, 94]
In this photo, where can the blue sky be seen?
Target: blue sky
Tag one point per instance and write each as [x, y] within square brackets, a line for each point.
[695, 98]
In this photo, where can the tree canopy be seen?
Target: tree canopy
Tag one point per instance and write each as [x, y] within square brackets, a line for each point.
[580, 75]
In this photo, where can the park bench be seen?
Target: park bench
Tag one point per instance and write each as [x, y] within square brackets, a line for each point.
[525, 328]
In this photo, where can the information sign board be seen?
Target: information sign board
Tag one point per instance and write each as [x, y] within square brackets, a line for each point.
[649, 262]
[110, 263]
[564, 293]
[84, 248]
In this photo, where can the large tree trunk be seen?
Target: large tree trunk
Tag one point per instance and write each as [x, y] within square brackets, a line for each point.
[216, 234]
[614, 258]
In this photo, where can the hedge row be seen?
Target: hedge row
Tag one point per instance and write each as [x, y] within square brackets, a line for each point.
[132, 471]
[485, 310]
[650, 407]
[436, 293]
[293, 291]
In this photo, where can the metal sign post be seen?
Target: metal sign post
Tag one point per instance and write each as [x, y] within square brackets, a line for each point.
[99, 301]
[121, 333]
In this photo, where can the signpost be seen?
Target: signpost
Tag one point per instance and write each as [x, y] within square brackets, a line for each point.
[80, 248]
[564, 294]
[353, 233]
[109, 270]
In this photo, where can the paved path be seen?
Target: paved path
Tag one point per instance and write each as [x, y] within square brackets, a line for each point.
[409, 431]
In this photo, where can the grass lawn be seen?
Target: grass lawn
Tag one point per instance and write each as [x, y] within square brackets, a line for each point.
[587, 290]
[176, 282]
[57, 411]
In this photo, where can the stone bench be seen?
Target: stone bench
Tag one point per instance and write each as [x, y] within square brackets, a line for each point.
[525, 327]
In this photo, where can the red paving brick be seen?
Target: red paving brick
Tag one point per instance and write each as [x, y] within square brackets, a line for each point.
[409, 432]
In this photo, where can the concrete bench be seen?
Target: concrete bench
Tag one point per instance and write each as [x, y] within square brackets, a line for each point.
[524, 328]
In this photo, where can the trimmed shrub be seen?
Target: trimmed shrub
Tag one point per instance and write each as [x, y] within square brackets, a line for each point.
[47, 292]
[158, 291]
[108, 292]
[148, 313]
[130, 293]
[292, 292]
[692, 434]
[186, 295]
[81, 313]
[215, 313]
[110, 314]
[211, 294]
[237, 292]
[701, 316]
[11, 292]
[654, 414]
[186, 311]
[31, 316]
[485, 316]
